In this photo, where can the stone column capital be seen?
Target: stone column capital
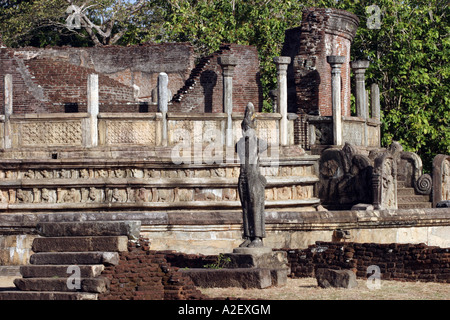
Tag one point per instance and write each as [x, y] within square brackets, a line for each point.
[359, 66]
[282, 61]
[335, 61]
[228, 63]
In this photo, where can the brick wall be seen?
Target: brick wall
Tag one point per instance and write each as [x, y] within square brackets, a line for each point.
[144, 274]
[403, 262]
[25, 94]
[46, 85]
[323, 32]
[45, 80]
[203, 90]
[64, 84]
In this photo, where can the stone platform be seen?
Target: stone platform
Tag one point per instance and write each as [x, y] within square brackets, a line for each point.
[245, 268]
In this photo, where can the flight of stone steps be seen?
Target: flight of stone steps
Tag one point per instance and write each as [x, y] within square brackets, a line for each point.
[408, 199]
[69, 258]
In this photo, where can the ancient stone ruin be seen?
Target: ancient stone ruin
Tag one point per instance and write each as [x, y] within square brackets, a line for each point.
[117, 135]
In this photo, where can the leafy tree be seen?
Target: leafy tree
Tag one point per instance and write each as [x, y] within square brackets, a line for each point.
[209, 23]
[409, 51]
[76, 22]
[409, 55]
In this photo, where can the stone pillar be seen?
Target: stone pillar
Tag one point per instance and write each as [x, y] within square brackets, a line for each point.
[336, 63]
[359, 68]
[375, 101]
[8, 111]
[228, 63]
[92, 109]
[282, 65]
[163, 102]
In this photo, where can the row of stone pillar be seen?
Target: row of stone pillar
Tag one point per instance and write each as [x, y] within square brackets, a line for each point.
[228, 64]
[359, 68]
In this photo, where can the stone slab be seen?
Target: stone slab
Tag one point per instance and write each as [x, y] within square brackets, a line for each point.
[61, 271]
[223, 278]
[131, 229]
[9, 271]
[80, 244]
[75, 258]
[258, 259]
[279, 276]
[32, 295]
[95, 285]
[329, 278]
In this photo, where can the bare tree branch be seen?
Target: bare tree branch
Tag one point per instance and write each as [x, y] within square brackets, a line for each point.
[104, 31]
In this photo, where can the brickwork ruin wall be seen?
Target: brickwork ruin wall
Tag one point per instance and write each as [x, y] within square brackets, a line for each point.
[47, 80]
[144, 274]
[203, 90]
[401, 262]
[51, 80]
[323, 32]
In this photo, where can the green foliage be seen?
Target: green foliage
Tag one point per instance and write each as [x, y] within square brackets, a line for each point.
[43, 22]
[222, 262]
[409, 57]
[207, 24]
[409, 53]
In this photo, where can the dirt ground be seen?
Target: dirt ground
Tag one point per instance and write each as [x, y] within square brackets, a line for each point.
[6, 282]
[307, 289]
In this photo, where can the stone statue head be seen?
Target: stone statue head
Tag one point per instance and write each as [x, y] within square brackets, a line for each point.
[249, 121]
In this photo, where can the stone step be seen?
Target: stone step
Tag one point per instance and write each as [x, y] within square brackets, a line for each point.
[95, 285]
[72, 258]
[49, 295]
[413, 198]
[415, 205]
[61, 271]
[401, 184]
[131, 229]
[405, 191]
[80, 244]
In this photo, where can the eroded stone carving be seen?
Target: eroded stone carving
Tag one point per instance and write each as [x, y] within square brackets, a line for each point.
[441, 179]
[126, 132]
[410, 172]
[24, 196]
[345, 177]
[385, 181]
[94, 195]
[446, 180]
[51, 133]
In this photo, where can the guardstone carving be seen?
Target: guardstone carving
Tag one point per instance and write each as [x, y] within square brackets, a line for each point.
[345, 177]
[441, 179]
